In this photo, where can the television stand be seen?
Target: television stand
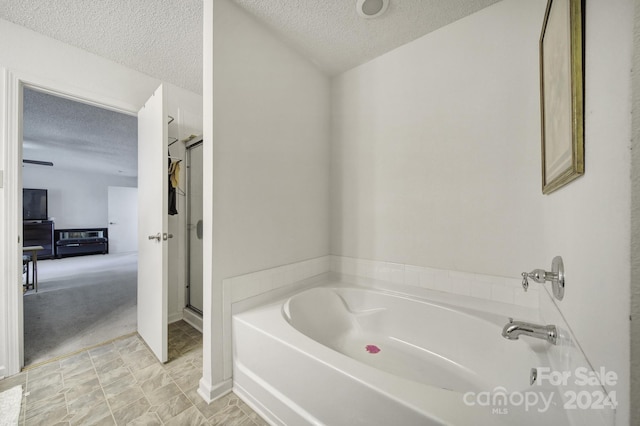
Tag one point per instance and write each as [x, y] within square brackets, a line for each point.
[81, 241]
[39, 233]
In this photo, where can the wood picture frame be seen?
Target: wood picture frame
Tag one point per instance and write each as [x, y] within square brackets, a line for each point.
[562, 94]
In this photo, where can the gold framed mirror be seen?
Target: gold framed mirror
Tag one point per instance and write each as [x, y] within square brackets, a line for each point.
[562, 94]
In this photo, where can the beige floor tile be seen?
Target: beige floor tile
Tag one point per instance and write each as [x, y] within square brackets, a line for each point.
[209, 410]
[43, 370]
[139, 359]
[72, 379]
[230, 416]
[162, 394]
[190, 416]
[105, 358]
[88, 400]
[189, 380]
[35, 382]
[156, 382]
[42, 407]
[50, 414]
[105, 421]
[129, 345]
[42, 393]
[148, 419]
[132, 393]
[114, 375]
[255, 418]
[172, 407]
[76, 364]
[146, 373]
[101, 350]
[122, 383]
[92, 413]
[82, 389]
[131, 412]
[116, 388]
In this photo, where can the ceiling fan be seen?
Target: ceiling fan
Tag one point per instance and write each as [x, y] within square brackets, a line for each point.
[39, 163]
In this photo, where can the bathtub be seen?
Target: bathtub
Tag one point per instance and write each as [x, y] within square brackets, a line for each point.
[345, 355]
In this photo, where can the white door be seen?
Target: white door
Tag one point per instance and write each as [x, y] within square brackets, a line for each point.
[152, 224]
[123, 219]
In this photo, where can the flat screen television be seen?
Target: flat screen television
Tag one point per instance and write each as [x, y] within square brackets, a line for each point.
[34, 204]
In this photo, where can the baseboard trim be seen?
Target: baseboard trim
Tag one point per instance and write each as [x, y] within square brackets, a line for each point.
[192, 318]
[175, 317]
[211, 393]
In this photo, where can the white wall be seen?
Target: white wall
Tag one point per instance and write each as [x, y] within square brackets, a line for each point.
[269, 123]
[7, 362]
[76, 199]
[271, 117]
[435, 148]
[50, 63]
[436, 162]
[635, 227]
[588, 222]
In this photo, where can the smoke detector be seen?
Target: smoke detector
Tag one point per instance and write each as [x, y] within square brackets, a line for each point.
[370, 9]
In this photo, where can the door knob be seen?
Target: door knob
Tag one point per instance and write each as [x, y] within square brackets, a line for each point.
[155, 237]
[166, 236]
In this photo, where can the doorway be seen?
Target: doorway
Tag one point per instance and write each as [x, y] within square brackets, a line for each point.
[85, 293]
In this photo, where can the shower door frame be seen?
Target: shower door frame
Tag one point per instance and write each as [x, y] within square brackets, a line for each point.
[198, 142]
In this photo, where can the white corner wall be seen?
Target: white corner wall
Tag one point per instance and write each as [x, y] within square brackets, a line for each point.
[436, 162]
[76, 199]
[61, 67]
[271, 151]
[267, 133]
[635, 227]
[588, 221]
[435, 148]
[6, 360]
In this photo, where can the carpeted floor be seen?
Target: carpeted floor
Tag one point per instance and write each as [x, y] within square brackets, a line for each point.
[81, 302]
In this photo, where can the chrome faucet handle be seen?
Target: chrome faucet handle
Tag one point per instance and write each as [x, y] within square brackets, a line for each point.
[539, 275]
[556, 277]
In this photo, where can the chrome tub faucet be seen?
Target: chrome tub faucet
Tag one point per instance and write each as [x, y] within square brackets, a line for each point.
[556, 277]
[513, 329]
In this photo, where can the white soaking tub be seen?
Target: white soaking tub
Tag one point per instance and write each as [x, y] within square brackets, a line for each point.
[340, 355]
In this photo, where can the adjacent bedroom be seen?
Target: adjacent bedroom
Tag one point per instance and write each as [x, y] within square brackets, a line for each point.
[79, 181]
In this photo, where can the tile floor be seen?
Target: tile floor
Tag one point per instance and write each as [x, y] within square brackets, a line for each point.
[121, 383]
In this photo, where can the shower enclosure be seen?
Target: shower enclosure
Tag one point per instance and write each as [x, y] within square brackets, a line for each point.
[194, 227]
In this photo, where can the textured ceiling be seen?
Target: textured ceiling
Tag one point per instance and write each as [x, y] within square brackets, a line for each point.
[77, 136]
[161, 38]
[335, 38]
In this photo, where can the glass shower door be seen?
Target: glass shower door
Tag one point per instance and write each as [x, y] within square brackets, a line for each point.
[194, 227]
